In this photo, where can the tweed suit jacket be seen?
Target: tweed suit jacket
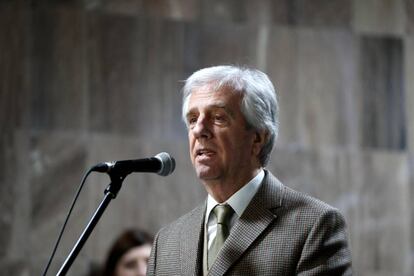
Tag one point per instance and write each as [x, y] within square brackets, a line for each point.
[281, 232]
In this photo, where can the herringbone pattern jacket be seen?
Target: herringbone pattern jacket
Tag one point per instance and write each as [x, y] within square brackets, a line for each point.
[282, 232]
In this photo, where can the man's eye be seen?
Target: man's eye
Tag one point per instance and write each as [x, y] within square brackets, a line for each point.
[192, 120]
[219, 118]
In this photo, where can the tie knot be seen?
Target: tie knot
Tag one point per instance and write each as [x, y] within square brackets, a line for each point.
[223, 213]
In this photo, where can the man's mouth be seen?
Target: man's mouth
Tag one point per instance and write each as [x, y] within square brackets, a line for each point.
[204, 152]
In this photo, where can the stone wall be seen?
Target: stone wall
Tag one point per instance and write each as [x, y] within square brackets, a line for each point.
[88, 81]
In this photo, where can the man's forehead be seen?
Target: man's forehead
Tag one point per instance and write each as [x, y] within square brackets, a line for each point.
[208, 104]
[212, 99]
[214, 92]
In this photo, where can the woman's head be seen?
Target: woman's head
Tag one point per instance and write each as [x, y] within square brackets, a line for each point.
[129, 254]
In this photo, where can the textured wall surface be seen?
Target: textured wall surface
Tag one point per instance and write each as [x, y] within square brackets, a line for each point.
[88, 81]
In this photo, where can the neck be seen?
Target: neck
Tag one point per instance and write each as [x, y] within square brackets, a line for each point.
[222, 189]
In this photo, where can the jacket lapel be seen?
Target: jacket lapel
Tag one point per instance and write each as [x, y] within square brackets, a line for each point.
[256, 218]
[191, 242]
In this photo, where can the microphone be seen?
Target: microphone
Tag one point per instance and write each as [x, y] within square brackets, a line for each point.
[161, 164]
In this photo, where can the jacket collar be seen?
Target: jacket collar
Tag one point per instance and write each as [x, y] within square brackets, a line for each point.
[259, 214]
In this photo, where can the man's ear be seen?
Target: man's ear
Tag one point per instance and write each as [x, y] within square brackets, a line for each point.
[260, 139]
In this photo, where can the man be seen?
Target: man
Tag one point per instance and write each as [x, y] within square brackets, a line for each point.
[251, 224]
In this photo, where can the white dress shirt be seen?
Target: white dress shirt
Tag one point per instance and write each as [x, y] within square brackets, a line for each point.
[238, 201]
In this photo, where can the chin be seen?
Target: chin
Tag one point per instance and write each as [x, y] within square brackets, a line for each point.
[206, 174]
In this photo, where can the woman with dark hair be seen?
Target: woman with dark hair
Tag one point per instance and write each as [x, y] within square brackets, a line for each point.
[129, 254]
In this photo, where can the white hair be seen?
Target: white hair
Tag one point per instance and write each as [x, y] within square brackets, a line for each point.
[259, 100]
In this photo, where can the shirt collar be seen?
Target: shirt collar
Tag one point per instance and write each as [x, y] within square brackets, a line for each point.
[239, 200]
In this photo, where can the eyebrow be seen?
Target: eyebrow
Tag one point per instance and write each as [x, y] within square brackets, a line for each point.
[223, 106]
[218, 105]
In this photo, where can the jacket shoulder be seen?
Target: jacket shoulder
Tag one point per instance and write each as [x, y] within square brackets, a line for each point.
[189, 218]
[297, 205]
[294, 198]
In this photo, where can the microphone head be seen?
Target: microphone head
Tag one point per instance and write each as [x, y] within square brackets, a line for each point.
[167, 163]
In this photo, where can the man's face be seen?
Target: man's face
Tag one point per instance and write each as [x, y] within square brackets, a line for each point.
[221, 146]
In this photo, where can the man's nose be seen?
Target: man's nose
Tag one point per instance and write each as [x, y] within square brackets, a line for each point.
[201, 128]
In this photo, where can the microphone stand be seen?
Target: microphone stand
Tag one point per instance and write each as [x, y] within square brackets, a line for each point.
[110, 193]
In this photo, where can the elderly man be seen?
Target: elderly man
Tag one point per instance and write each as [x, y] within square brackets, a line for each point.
[250, 224]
